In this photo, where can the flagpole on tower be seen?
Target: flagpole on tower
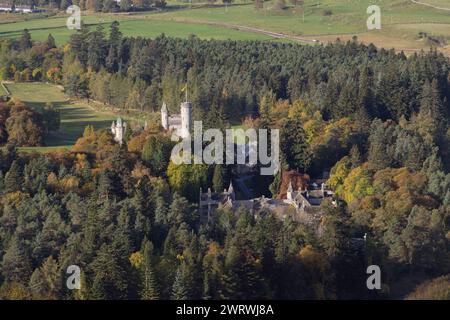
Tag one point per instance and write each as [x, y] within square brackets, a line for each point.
[184, 89]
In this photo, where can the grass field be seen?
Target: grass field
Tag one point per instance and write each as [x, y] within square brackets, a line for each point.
[130, 26]
[437, 3]
[347, 17]
[74, 117]
[402, 20]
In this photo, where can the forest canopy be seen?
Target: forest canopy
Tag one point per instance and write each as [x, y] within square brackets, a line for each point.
[376, 120]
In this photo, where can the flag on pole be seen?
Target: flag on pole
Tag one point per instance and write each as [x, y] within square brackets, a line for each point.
[184, 89]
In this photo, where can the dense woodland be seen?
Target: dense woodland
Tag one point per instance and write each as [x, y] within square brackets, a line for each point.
[127, 216]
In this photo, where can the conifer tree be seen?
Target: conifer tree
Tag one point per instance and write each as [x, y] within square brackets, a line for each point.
[149, 289]
[355, 156]
[51, 41]
[293, 145]
[179, 290]
[25, 40]
[218, 184]
[14, 178]
[430, 120]
[2, 183]
[46, 282]
[16, 265]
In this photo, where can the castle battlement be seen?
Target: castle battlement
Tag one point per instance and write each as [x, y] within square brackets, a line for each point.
[180, 123]
[118, 129]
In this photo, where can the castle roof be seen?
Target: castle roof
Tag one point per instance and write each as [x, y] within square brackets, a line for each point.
[230, 188]
[290, 189]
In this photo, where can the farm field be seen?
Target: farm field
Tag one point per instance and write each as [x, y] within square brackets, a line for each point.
[437, 3]
[326, 20]
[74, 117]
[136, 26]
[344, 19]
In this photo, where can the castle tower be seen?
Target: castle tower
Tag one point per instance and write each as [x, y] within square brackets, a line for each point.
[290, 191]
[118, 130]
[186, 119]
[231, 191]
[164, 117]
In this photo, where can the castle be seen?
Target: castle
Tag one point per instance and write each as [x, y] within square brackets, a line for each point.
[300, 205]
[180, 123]
[118, 129]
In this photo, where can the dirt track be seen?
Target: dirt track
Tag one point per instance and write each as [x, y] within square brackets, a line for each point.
[430, 5]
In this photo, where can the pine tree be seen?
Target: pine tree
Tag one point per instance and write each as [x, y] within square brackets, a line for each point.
[14, 178]
[51, 41]
[156, 154]
[51, 237]
[115, 35]
[128, 134]
[79, 43]
[293, 145]
[96, 49]
[111, 62]
[2, 183]
[179, 290]
[438, 181]
[161, 214]
[110, 279]
[36, 284]
[217, 181]
[46, 282]
[266, 105]
[382, 141]
[430, 121]
[16, 265]
[149, 286]
[355, 156]
[25, 40]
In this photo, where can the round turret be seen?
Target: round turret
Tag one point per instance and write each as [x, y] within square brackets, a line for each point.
[186, 119]
[164, 117]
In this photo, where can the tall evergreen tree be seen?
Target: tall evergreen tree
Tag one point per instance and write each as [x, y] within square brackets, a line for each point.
[293, 145]
[16, 264]
[14, 178]
[217, 181]
[179, 290]
[149, 289]
[25, 40]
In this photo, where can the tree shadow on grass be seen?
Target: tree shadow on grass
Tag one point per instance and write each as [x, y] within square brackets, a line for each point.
[69, 132]
[74, 119]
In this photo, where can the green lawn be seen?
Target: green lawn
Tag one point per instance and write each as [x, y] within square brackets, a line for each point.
[74, 117]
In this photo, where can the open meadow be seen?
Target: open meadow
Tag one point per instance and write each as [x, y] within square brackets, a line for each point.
[74, 116]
